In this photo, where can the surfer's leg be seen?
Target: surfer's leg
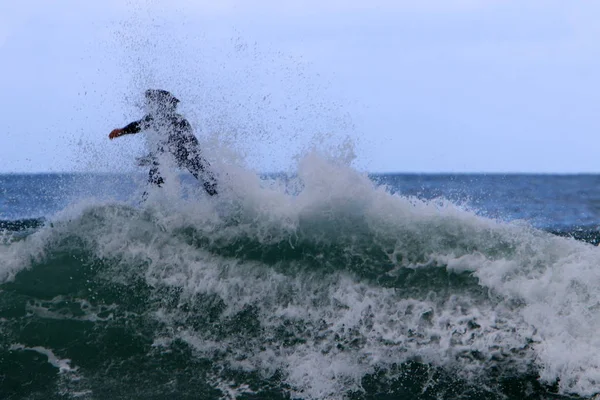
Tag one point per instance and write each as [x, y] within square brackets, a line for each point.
[187, 154]
[198, 168]
[154, 176]
[210, 186]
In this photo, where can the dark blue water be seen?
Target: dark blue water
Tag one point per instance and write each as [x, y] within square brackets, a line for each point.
[328, 284]
[545, 201]
[42, 195]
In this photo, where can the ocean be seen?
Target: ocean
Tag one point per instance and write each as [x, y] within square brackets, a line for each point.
[326, 284]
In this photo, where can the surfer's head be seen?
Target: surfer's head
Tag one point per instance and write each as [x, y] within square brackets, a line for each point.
[160, 101]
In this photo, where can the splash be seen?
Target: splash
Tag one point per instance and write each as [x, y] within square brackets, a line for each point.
[320, 280]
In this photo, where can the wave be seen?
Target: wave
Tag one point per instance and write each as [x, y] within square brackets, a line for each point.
[324, 286]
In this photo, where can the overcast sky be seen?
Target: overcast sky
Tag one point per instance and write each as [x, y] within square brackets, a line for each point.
[418, 86]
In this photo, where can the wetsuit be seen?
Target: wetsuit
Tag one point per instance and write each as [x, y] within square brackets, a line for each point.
[179, 140]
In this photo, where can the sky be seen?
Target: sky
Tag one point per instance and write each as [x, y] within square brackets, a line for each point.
[406, 86]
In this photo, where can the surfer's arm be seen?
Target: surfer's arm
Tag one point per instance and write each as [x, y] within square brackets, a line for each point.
[134, 127]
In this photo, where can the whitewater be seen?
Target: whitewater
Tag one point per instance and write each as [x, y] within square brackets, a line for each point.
[323, 284]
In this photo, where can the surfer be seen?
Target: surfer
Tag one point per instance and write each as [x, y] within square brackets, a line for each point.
[177, 138]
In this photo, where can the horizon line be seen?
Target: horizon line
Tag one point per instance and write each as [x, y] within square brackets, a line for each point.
[24, 173]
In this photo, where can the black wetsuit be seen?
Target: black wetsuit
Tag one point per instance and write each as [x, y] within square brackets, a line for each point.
[179, 140]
